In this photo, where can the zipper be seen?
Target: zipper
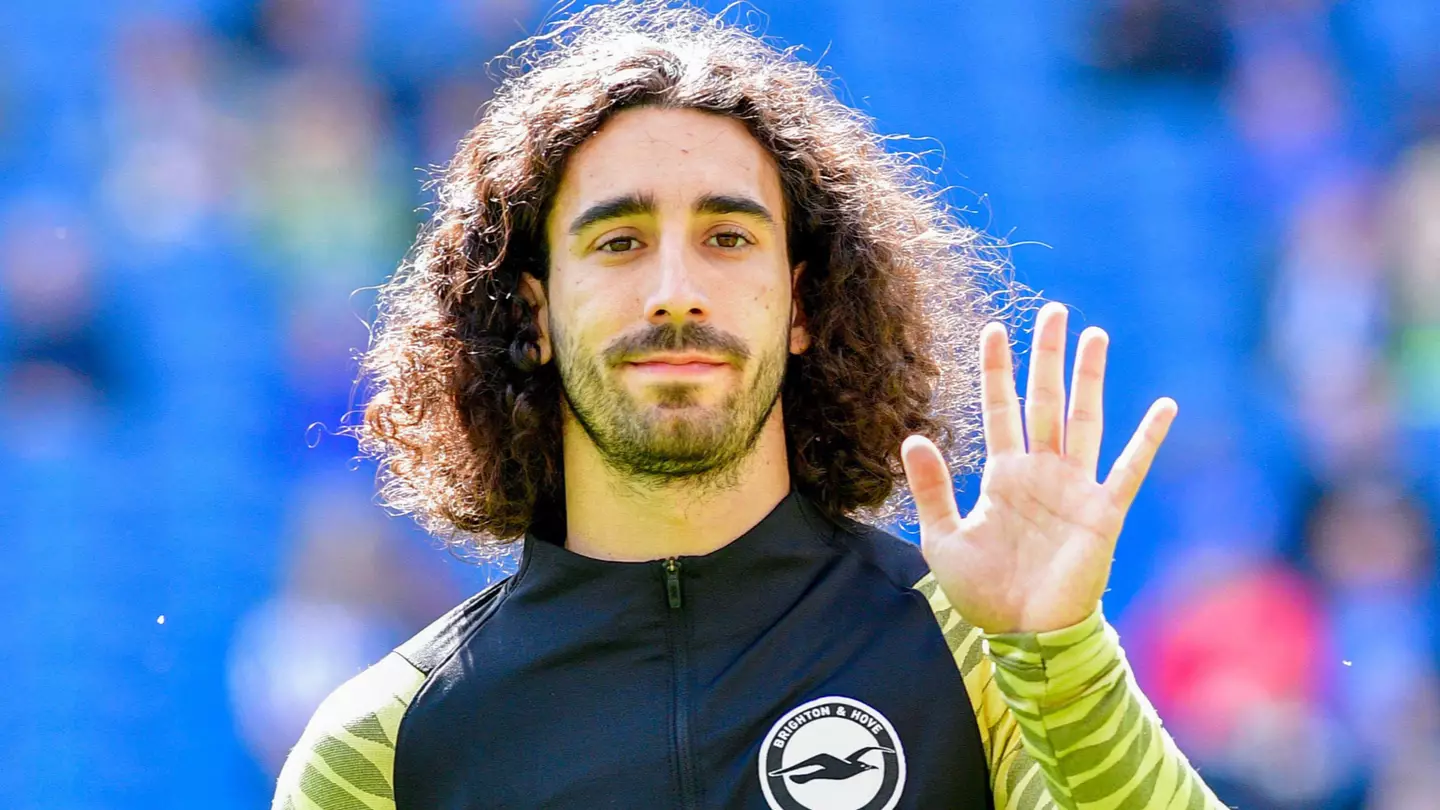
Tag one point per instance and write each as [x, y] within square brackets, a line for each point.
[672, 583]
[675, 621]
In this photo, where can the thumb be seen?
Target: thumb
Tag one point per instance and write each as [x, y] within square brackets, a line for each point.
[930, 483]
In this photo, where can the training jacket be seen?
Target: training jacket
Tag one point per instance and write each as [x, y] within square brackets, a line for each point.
[811, 664]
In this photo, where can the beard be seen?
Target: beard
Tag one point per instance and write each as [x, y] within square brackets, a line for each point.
[674, 438]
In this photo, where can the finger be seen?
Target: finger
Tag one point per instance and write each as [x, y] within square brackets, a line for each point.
[1045, 389]
[1134, 463]
[1000, 406]
[1086, 419]
[931, 485]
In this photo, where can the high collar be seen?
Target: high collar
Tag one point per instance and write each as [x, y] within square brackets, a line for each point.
[795, 528]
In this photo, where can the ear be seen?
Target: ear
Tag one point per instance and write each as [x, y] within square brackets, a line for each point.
[799, 331]
[533, 293]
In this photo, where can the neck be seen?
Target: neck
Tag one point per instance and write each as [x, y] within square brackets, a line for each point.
[610, 517]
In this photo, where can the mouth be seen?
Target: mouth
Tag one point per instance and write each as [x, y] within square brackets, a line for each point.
[678, 365]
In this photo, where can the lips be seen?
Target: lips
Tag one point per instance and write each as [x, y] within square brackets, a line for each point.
[682, 364]
[679, 360]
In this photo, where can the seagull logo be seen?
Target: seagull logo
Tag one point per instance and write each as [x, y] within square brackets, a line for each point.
[803, 764]
[829, 766]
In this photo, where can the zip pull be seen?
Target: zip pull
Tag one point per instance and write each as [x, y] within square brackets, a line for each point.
[672, 582]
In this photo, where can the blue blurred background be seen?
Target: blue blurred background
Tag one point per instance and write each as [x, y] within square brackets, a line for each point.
[195, 196]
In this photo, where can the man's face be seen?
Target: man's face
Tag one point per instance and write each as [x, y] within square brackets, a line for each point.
[669, 304]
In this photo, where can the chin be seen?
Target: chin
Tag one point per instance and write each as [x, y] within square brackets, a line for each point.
[684, 398]
[677, 418]
[682, 408]
[666, 418]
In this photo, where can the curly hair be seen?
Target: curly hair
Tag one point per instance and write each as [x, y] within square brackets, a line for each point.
[463, 419]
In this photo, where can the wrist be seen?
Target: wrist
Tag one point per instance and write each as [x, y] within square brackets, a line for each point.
[1055, 667]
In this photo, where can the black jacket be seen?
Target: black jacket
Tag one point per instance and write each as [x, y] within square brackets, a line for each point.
[796, 668]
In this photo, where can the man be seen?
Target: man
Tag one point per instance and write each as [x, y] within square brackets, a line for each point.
[676, 314]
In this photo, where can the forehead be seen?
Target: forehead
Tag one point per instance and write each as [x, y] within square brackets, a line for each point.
[674, 155]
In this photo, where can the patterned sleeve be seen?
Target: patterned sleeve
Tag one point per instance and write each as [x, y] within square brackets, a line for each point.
[345, 760]
[1063, 723]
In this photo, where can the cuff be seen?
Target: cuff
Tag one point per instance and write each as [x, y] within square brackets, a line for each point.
[1055, 667]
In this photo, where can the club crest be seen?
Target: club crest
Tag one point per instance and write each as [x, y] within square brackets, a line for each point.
[832, 753]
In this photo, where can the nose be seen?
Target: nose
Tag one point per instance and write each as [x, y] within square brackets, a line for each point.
[678, 295]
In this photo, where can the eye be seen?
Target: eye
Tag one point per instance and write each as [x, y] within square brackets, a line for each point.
[729, 239]
[620, 244]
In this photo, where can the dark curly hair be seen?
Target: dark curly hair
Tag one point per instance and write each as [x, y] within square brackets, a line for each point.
[464, 420]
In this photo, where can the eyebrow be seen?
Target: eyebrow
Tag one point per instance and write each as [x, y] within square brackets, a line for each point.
[629, 205]
[730, 204]
[625, 205]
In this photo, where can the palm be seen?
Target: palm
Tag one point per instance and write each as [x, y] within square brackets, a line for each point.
[1034, 554]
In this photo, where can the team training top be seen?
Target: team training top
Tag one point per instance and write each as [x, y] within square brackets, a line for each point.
[812, 664]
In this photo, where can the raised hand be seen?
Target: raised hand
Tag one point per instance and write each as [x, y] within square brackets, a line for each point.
[1034, 554]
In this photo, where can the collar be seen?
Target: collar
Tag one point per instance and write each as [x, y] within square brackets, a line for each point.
[795, 531]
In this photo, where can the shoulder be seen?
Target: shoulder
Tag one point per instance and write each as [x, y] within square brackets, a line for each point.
[346, 757]
[429, 648]
[899, 561]
[903, 564]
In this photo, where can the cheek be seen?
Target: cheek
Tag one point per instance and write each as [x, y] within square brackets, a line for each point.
[587, 318]
[765, 313]
[774, 299]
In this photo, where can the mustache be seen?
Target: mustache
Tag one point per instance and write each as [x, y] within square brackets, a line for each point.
[668, 337]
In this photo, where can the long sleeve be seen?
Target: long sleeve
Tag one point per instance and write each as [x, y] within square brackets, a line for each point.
[1063, 722]
[345, 759]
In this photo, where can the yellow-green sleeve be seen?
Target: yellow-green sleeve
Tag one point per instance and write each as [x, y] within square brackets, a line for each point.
[1063, 723]
[345, 760]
